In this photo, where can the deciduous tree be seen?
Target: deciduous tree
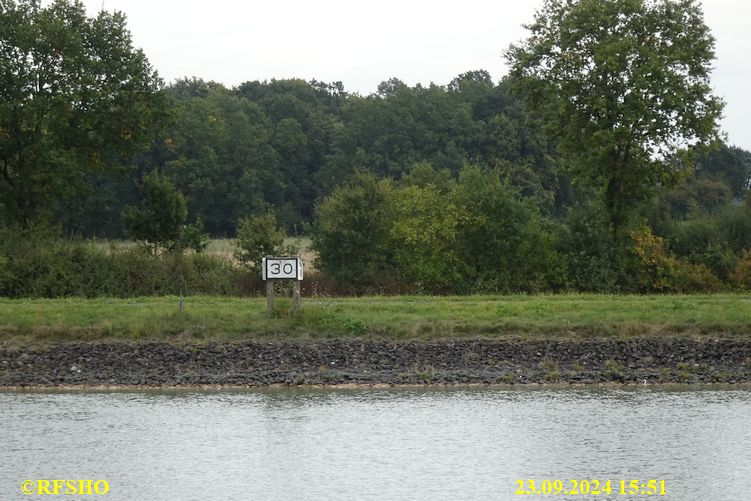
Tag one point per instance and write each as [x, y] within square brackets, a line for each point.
[160, 219]
[624, 85]
[75, 96]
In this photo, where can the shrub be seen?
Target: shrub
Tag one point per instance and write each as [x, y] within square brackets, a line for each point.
[470, 235]
[502, 241]
[704, 241]
[584, 241]
[160, 215]
[735, 226]
[50, 266]
[194, 237]
[353, 231]
[650, 269]
[741, 275]
[690, 277]
[159, 222]
[423, 238]
[40, 266]
[138, 273]
[258, 237]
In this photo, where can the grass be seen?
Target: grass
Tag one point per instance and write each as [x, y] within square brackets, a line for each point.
[402, 317]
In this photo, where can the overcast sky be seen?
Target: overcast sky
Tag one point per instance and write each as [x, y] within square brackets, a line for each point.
[362, 43]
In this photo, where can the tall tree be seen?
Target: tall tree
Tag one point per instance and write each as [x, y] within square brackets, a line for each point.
[222, 161]
[161, 216]
[625, 87]
[75, 96]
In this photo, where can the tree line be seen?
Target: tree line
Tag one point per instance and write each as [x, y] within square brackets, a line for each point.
[284, 145]
[595, 164]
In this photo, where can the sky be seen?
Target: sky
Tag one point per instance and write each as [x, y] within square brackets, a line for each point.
[362, 43]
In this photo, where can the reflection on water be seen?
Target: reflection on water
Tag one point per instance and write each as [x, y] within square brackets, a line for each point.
[378, 444]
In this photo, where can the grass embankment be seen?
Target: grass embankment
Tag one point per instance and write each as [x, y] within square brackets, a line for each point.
[413, 317]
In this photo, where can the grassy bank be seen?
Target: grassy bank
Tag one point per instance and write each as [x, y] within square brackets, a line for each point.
[412, 317]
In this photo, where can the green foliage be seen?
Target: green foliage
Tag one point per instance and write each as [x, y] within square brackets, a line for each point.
[470, 235]
[692, 278]
[258, 237]
[650, 269]
[44, 265]
[353, 231]
[218, 152]
[593, 261]
[423, 238]
[728, 165]
[735, 226]
[741, 276]
[5, 274]
[715, 241]
[381, 180]
[193, 237]
[159, 221]
[624, 85]
[54, 268]
[76, 97]
[502, 241]
[424, 174]
[696, 237]
[696, 197]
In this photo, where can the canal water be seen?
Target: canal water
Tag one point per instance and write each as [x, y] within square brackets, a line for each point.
[385, 444]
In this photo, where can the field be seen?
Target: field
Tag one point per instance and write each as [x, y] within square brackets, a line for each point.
[225, 248]
[394, 317]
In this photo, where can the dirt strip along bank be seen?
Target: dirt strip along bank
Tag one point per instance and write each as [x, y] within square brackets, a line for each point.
[657, 360]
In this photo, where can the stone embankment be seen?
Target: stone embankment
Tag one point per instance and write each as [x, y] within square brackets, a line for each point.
[337, 362]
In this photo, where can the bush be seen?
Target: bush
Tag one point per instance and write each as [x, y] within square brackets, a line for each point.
[160, 220]
[258, 237]
[438, 236]
[690, 278]
[423, 238]
[502, 241]
[160, 215]
[137, 273]
[650, 269]
[585, 242]
[735, 226]
[36, 266]
[741, 275]
[704, 241]
[697, 196]
[352, 234]
[194, 237]
[694, 236]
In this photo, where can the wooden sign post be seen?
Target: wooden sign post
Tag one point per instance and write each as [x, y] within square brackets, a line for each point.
[274, 269]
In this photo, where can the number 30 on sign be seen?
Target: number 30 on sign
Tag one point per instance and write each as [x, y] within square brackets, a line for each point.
[281, 267]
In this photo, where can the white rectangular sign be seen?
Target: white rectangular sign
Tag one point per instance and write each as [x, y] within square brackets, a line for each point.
[281, 267]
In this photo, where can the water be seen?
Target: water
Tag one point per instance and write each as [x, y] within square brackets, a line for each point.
[378, 444]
